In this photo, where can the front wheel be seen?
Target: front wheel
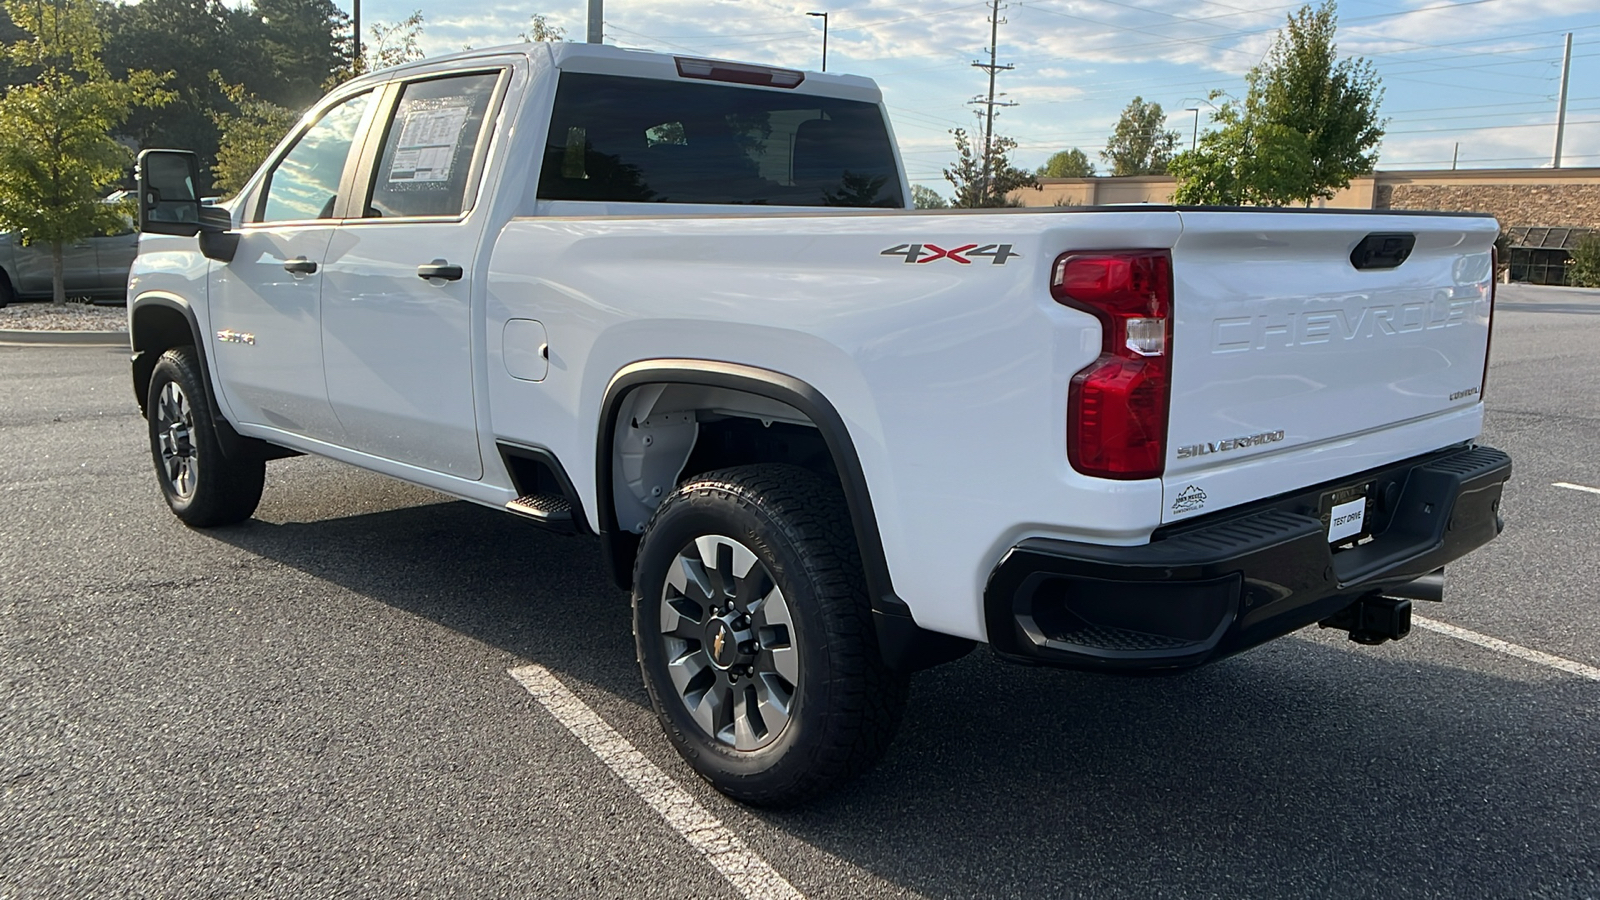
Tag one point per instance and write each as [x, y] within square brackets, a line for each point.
[203, 487]
[755, 635]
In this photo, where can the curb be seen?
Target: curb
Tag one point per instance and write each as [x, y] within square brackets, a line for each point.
[65, 338]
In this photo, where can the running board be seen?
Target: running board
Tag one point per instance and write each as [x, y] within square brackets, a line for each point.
[550, 510]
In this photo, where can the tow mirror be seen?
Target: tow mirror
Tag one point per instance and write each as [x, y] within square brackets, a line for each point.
[168, 200]
[170, 204]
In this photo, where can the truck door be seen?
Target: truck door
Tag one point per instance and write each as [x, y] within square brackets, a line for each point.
[266, 303]
[396, 303]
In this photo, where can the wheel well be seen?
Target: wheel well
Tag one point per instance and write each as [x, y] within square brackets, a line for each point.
[655, 432]
[155, 330]
[665, 434]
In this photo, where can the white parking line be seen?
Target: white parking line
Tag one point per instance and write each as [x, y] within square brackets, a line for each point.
[748, 872]
[1510, 649]
[1574, 487]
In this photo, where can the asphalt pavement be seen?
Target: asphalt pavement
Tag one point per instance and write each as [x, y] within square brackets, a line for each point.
[316, 703]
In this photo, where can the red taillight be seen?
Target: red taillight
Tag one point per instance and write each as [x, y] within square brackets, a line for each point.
[1117, 405]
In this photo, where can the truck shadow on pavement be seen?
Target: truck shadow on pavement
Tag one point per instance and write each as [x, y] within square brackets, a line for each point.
[1302, 768]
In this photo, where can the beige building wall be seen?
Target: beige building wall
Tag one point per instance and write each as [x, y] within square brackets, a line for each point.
[1556, 197]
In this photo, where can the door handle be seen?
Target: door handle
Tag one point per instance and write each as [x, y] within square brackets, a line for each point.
[439, 269]
[299, 266]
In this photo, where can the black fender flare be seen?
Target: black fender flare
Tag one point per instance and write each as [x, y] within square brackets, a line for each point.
[144, 361]
[905, 645]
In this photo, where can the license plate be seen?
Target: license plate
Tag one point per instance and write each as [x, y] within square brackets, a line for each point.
[1345, 512]
[1347, 520]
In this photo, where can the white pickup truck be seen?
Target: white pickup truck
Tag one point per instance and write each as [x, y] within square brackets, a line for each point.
[681, 306]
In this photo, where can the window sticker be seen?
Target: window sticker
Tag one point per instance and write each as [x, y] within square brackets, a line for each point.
[429, 137]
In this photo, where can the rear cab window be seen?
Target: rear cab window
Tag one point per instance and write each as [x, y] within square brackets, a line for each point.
[431, 147]
[641, 140]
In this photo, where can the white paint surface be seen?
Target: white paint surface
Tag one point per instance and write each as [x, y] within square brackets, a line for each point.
[1510, 649]
[749, 874]
[1575, 487]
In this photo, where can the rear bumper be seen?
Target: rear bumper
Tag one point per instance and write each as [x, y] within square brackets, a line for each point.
[1220, 584]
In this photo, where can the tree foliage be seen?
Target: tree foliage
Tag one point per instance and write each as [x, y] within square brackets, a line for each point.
[303, 42]
[1072, 163]
[1308, 124]
[249, 130]
[1140, 144]
[972, 189]
[57, 154]
[923, 197]
[540, 30]
[392, 44]
[1584, 268]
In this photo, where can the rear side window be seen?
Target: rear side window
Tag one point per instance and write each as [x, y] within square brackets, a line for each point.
[429, 146]
[644, 140]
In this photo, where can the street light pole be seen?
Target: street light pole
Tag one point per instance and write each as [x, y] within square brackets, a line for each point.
[1194, 140]
[824, 17]
[1561, 104]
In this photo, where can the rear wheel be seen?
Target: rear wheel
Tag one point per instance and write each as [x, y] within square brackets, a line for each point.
[7, 294]
[203, 487]
[755, 636]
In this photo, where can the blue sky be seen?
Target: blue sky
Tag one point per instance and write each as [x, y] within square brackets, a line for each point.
[1483, 73]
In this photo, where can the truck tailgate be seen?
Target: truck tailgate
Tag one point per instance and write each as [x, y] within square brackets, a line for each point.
[1291, 366]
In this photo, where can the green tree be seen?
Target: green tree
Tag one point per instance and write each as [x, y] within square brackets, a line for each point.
[301, 45]
[193, 38]
[927, 198]
[540, 29]
[1072, 163]
[57, 154]
[249, 131]
[1308, 124]
[1140, 144]
[972, 190]
[1584, 268]
[393, 44]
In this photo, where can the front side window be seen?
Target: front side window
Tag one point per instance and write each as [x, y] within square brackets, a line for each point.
[645, 140]
[430, 145]
[305, 182]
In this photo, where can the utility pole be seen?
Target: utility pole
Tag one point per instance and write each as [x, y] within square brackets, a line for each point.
[597, 22]
[1194, 140]
[355, 25]
[824, 17]
[1561, 104]
[990, 103]
[1455, 156]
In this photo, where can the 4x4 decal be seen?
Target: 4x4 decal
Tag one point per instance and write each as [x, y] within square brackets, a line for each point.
[997, 254]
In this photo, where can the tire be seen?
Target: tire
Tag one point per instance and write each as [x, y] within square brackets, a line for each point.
[777, 693]
[7, 293]
[203, 487]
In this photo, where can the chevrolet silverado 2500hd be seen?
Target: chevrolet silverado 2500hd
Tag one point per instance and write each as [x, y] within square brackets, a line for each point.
[680, 305]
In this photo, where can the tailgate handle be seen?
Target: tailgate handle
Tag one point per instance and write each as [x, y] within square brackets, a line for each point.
[1382, 251]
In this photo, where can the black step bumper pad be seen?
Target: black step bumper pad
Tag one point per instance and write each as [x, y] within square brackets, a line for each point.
[1220, 584]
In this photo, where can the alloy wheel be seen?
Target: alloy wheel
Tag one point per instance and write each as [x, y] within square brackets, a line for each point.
[730, 642]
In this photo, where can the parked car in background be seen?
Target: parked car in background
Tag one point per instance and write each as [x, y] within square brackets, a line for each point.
[95, 267]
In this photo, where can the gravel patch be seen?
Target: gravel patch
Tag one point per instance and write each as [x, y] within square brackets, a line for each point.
[75, 316]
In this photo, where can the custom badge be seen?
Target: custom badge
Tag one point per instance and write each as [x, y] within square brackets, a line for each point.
[1189, 500]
